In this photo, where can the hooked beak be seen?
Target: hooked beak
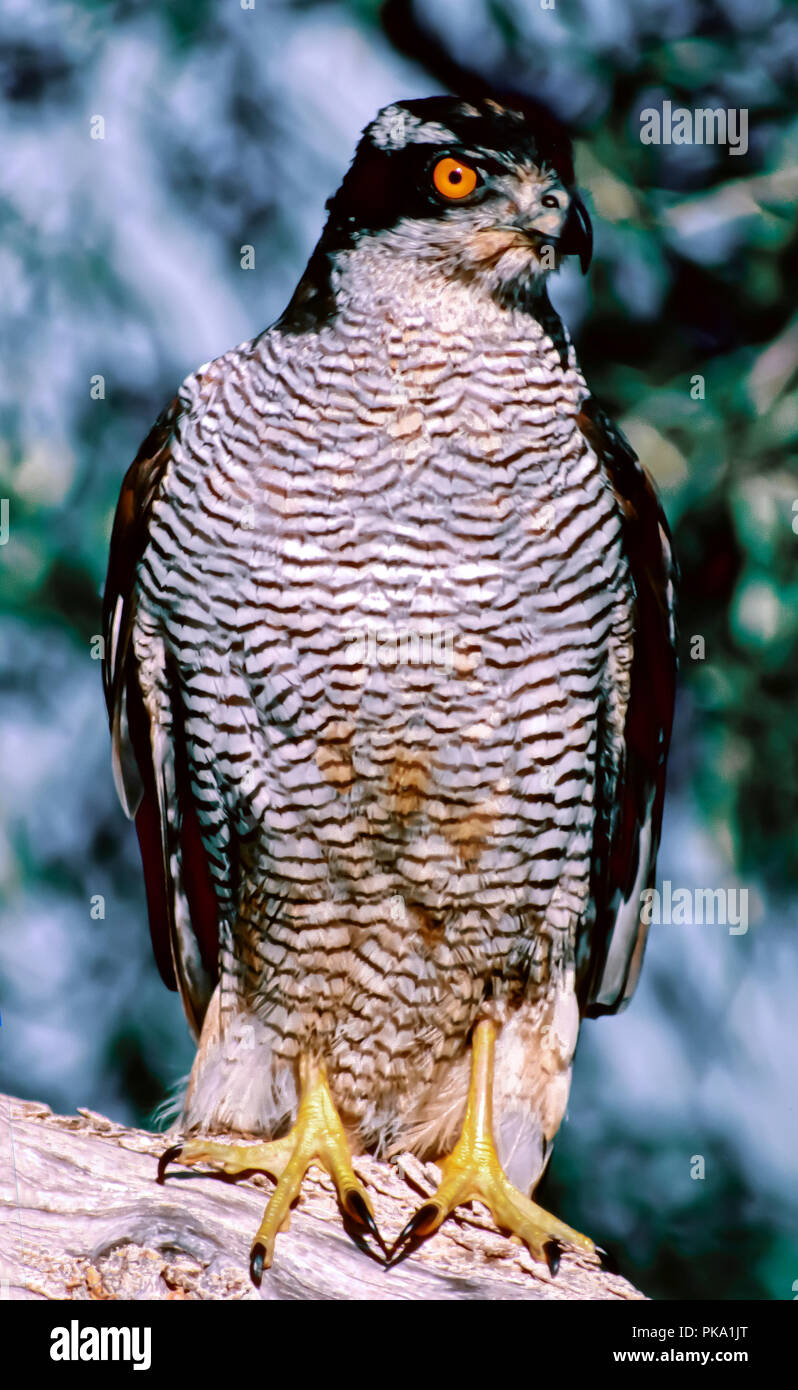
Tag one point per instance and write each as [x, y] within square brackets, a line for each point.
[576, 238]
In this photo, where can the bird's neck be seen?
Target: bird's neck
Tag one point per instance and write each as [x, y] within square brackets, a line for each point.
[414, 312]
[398, 287]
[370, 283]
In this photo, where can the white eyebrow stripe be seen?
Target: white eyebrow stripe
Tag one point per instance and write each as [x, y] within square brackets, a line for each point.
[394, 128]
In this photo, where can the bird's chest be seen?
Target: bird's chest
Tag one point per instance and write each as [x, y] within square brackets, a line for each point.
[426, 582]
[427, 511]
[452, 497]
[439, 612]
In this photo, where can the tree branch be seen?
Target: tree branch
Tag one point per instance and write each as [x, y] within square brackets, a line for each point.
[83, 1218]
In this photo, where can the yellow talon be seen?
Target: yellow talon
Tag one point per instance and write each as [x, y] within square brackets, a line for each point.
[317, 1136]
[472, 1171]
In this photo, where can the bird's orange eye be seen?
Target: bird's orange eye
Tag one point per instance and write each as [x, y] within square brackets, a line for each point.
[453, 178]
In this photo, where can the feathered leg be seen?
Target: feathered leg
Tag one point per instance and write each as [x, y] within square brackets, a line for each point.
[472, 1170]
[316, 1137]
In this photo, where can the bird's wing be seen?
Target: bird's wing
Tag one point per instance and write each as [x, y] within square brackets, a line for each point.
[149, 761]
[628, 829]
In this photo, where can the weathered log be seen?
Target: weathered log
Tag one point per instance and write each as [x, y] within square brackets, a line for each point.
[82, 1217]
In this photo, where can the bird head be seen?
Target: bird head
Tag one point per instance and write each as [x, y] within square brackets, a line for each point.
[484, 191]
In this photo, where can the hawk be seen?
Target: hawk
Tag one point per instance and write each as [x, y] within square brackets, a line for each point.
[390, 665]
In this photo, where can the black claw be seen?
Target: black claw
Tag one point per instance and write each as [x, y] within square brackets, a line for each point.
[357, 1207]
[607, 1260]
[552, 1250]
[166, 1159]
[256, 1257]
[413, 1230]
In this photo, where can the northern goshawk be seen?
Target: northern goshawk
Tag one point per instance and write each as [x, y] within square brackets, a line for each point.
[390, 666]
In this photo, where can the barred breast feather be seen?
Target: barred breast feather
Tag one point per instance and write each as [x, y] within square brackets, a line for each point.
[390, 671]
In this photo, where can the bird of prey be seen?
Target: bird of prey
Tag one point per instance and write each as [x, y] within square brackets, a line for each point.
[390, 665]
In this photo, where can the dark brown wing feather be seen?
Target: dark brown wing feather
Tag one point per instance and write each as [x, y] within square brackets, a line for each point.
[128, 542]
[158, 797]
[629, 830]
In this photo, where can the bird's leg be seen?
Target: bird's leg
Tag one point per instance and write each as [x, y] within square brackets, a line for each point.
[472, 1170]
[317, 1137]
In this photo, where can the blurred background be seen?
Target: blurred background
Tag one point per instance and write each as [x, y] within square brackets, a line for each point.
[120, 272]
